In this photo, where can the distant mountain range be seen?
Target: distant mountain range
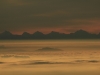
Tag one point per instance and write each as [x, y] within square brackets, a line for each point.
[80, 34]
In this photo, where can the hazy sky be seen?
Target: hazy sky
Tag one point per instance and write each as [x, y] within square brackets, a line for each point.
[65, 16]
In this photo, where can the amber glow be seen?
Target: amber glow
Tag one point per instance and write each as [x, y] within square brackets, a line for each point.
[76, 57]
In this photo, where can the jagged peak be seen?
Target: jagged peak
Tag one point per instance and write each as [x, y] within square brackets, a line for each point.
[54, 32]
[37, 33]
[81, 31]
[25, 33]
[6, 32]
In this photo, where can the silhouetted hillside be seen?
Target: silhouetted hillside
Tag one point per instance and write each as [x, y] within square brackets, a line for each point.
[38, 35]
[80, 34]
[26, 35]
[6, 35]
[54, 35]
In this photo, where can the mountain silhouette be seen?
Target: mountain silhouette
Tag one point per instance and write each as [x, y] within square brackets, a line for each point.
[6, 35]
[53, 35]
[38, 35]
[80, 34]
[26, 35]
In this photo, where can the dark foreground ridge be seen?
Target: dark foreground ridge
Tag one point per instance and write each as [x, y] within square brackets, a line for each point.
[80, 34]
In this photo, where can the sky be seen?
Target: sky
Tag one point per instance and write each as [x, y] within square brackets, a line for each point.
[65, 16]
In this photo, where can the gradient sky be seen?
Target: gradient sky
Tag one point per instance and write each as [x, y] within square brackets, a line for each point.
[64, 16]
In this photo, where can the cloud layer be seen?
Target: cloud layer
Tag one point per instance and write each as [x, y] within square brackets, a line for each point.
[43, 62]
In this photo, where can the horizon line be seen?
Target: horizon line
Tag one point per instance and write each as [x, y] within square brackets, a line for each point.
[49, 32]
